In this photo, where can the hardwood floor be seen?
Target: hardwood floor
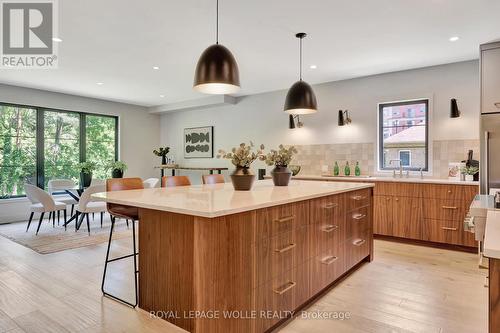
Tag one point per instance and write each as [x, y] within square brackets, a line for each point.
[407, 288]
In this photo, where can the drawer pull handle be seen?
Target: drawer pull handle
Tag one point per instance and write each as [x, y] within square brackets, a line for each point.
[359, 197]
[286, 248]
[287, 287]
[359, 242]
[285, 219]
[359, 216]
[449, 191]
[330, 228]
[329, 260]
[449, 207]
[331, 205]
[497, 104]
[449, 228]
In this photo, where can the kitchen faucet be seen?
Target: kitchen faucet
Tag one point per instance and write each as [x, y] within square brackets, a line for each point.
[400, 168]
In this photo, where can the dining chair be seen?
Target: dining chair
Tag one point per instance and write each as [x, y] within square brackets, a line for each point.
[42, 202]
[57, 185]
[126, 212]
[96, 181]
[87, 205]
[213, 179]
[171, 181]
[150, 182]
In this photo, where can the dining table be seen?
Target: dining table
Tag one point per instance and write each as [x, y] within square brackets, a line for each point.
[75, 192]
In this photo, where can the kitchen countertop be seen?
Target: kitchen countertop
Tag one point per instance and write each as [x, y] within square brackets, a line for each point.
[221, 199]
[385, 179]
[491, 246]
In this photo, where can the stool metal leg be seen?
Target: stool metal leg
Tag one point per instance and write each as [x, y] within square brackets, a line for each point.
[134, 255]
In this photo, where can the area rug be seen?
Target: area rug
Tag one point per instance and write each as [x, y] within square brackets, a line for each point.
[50, 240]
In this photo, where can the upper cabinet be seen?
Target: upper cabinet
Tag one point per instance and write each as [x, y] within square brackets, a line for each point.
[490, 78]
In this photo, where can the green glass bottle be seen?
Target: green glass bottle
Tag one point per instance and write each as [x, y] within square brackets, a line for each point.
[357, 170]
[336, 169]
[347, 169]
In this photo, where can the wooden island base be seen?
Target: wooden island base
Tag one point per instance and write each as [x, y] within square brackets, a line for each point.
[247, 272]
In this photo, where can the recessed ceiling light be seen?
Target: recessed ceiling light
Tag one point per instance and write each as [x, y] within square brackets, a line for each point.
[156, 67]
[100, 83]
[162, 96]
[313, 67]
[454, 38]
[55, 39]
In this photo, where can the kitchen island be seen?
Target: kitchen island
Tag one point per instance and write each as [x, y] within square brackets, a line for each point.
[212, 259]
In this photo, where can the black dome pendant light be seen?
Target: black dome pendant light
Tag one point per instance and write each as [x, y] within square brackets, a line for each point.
[300, 98]
[217, 70]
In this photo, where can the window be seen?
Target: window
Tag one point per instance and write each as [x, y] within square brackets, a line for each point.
[403, 135]
[38, 144]
[405, 157]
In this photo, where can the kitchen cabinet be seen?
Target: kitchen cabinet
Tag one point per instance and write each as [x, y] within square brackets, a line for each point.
[490, 80]
[398, 216]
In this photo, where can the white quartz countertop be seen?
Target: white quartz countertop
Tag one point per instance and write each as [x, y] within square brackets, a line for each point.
[221, 199]
[386, 179]
[491, 246]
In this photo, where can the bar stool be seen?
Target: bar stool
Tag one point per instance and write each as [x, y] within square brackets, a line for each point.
[129, 213]
[171, 181]
[213, 179]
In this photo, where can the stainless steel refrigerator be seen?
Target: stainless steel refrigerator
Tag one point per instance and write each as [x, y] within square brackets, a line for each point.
[490, 152]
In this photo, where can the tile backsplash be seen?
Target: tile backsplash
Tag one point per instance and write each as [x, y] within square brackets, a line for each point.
[313, 157]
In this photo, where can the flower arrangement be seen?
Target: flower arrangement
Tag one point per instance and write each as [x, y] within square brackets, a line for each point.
[471, 170]
[161, 152]
[87, 167]
[281, 157]
[242, 156]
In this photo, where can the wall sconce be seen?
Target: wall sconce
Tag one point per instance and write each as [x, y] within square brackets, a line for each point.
[454, 111]
[291, 121]
[344, 118]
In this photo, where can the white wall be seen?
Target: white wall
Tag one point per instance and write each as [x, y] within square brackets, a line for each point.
[139, 132]
[260, 117]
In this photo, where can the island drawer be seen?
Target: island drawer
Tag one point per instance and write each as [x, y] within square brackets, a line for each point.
[283, 294]
[326, 268]
[273, 221]
[357, 221]
[281, 253]
[357, 199]
[326, 236]
[440, 209]
[357, 249]
[328, 210]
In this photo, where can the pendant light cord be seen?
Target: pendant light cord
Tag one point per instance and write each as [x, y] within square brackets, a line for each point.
[300, 60]
[217, 24]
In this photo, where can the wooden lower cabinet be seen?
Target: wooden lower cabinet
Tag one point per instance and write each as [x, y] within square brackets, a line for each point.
[327, 267]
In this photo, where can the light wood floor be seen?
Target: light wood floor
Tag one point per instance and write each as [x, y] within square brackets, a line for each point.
[405, 289]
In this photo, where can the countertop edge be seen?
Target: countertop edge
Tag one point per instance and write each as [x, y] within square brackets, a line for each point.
[492, 235]
[100, 197]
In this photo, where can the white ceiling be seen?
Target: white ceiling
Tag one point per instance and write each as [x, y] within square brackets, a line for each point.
[117, 42]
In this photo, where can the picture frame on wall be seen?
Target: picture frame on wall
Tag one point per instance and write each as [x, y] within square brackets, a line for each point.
[199, 142]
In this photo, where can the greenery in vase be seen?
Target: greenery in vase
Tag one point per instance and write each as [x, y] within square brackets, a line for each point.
[87, 167]
[161, 152]
[117, 165]
[242, 156]
[471, 171]
[281, 157]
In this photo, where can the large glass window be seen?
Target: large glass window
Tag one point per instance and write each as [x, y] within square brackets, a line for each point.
[101, 143]
[403, 135]
[37, 145]
[17, 149]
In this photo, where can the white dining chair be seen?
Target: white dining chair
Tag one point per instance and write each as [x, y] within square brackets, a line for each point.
[96, 181]
[150, 182]
[58, 185]
[87, 205]
[42, 202]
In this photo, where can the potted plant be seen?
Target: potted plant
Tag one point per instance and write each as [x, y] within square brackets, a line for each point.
[469, 173]
[117, 168]
[280, 158]
[86, 169]
[242, 157]
[162, 152]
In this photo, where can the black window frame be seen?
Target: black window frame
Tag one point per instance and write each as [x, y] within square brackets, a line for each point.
[381, 127]
[40, 137]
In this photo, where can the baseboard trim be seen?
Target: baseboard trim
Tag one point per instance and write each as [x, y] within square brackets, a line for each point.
[444, 246]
